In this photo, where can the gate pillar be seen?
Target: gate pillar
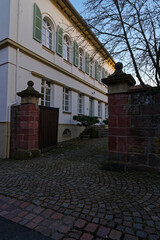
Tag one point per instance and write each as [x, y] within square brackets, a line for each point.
[25, 130]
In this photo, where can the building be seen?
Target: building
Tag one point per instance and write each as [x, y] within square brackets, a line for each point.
[48, 42]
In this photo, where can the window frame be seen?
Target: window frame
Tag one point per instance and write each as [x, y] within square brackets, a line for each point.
[46, 86]
[80, 103]
[66, 100]
[47, 30]
[99, 109]
[67, 46]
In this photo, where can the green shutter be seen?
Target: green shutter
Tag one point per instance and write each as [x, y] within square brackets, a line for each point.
[103, 73]
[59, 41]
[96, 70]
[37, 24]
[75, 54]
[87, 62]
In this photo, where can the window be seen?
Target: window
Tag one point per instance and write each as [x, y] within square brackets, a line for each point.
[47, 34]
[81, 58]
[90, 107]
[99, 109]
[66, 100]
[106, 111]
[80, 103]
[99, 73]
[104, 73]
[67, 48]
[46, 91]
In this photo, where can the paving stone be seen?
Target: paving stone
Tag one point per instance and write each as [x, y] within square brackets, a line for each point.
[87, 236]
[91, 227]
[141, 234]
[80, 223]
[47, 213]
[57, 236]
[57, 216]
[75, 234]
[68, 220]
[153, 237]
[114, 234]
[103, 232]
[130, 237]
[31, 225]
[38, 210]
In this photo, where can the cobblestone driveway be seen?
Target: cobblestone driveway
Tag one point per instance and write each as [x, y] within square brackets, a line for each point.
[65, 195]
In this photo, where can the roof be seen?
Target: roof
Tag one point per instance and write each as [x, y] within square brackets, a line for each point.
[82, 26]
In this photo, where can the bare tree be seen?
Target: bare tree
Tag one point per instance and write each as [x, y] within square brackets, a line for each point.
[130, 30]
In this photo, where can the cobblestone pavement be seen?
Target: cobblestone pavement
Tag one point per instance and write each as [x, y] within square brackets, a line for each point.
[65, 195]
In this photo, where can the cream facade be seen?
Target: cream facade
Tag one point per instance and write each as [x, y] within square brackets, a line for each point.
[46, 41]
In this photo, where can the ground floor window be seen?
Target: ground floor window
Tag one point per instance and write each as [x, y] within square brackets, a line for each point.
[46, 92]
[80, 103]
[99, 109]
[106, 111]
[90, 107]
[66, 100]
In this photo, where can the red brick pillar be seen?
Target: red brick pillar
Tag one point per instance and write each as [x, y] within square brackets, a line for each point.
[26, 134]
[119, 120]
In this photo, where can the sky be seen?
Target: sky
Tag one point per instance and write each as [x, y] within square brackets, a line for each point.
[77, 4]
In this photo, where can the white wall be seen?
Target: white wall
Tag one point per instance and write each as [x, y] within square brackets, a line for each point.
[3, 92]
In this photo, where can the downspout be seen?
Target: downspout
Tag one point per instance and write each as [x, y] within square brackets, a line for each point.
[16, 84]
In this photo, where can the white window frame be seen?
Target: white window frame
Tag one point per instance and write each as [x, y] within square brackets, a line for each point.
[80, 103]
[46, 91]
[66, 102]
[67, 48]
[47, 33]
[99, 109]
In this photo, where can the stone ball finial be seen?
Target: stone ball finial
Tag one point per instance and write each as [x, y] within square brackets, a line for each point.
[30, 83]
[119, 66]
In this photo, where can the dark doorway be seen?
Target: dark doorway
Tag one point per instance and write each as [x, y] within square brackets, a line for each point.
[48, 128]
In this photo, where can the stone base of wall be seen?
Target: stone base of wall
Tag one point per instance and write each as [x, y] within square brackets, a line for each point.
[135, 159]
[74, 130]
[22, 154]
[4, 139]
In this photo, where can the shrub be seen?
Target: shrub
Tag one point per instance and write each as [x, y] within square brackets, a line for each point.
[105, 121]
[85, 120]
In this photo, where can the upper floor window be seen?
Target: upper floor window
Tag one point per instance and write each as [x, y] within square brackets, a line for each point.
[81, 58]
[46, 91]
[66, 100]
[67, 48]
[99, 73]
[47, 34]
[80, 103]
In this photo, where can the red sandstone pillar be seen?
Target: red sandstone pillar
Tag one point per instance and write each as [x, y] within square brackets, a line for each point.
[119, 120]
[27, 126]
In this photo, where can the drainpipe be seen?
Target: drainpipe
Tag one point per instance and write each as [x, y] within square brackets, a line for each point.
[16, 84]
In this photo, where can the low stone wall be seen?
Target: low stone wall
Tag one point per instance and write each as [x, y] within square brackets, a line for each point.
[134, 126]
